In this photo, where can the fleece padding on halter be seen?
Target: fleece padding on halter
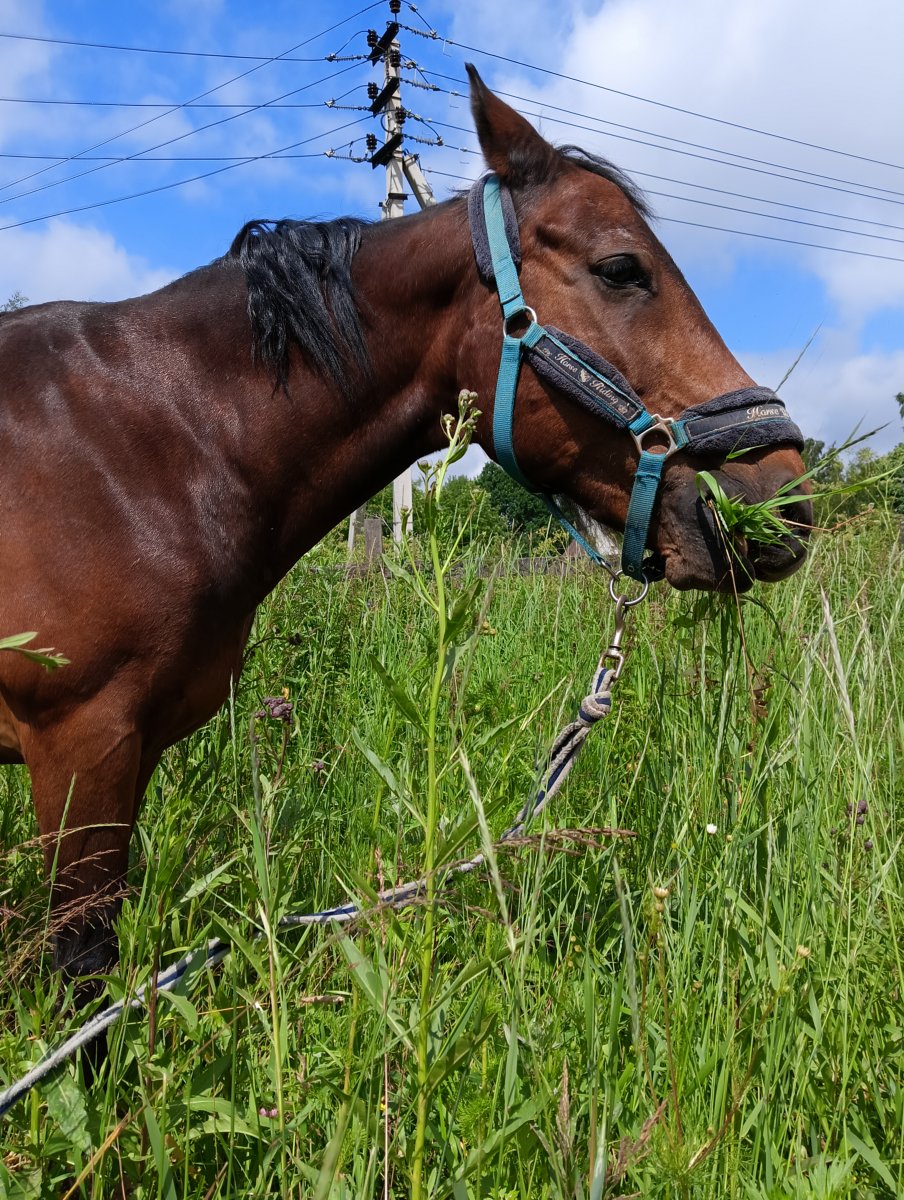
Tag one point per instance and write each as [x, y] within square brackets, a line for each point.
[740, 420]
[479, 236]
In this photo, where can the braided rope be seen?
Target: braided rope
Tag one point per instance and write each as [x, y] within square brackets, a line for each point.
[596, 705]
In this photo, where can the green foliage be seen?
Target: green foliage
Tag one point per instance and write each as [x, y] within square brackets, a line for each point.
[686, 1013]
[46, 658]
[14, 303]
[522, 511]
[847, 486]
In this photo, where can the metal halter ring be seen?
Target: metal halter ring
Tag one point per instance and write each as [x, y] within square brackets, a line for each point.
[527, 312]
[625, 602]
[663, 427]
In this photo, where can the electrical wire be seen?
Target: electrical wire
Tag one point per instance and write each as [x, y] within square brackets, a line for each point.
[707, 158]
[732, 208]
[689, 112]
[142, 104]
[259, 58]
[745, 158]
[176, 108]
[272, 155]
[747, 211]
[170, 141]
[700, 225]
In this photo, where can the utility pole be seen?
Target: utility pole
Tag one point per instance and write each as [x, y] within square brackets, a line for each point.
[400, 167]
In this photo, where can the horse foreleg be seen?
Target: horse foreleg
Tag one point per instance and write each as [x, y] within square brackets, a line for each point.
[85, 775]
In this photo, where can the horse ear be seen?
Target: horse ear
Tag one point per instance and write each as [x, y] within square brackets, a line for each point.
[510, 145]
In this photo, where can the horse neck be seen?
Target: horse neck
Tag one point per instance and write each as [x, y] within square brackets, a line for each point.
[314, 454]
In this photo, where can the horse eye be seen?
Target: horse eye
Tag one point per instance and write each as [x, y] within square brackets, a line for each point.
[620, 271]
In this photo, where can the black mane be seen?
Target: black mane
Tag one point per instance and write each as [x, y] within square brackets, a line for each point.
[300, 291]
[300, 288]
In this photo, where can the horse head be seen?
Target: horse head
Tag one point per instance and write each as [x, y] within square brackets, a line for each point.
[591, 265]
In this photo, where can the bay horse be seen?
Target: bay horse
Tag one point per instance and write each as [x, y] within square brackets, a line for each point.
[167, 459]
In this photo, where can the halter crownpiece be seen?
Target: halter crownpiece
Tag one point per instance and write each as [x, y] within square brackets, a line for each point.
[740, 420]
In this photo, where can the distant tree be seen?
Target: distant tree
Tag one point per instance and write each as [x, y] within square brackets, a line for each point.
[900, 400]
[463, 503]
[824, 462]
[522, 511]
[16, 301]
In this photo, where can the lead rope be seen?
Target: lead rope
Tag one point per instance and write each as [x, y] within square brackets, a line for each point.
[565, 749]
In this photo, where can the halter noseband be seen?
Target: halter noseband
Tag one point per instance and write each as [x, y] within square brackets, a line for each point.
[740, 420]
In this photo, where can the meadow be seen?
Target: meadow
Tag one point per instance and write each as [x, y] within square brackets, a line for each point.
[708, 1004]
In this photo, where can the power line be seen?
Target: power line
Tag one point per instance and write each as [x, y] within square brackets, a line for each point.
[169, 141]
[776, 217]
[706, 158]
[446, 91]
[156, 158]
[192, 100]
[715, 228]
[749, 211]
[259, 58]
[819, 212]
[141, 103]
[787, 241]
[668, 138]
[689, 112]
[272, 155]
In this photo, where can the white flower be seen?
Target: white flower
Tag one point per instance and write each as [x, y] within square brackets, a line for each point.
[711, 828]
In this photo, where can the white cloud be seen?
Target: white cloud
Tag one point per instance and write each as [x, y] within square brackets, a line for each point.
[66, 261]
[811, 70]
[832, 392]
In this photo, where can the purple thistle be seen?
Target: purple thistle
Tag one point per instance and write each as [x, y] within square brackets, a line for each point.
[277, 707]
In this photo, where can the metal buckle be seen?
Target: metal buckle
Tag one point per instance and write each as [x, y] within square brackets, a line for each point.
[662, 426]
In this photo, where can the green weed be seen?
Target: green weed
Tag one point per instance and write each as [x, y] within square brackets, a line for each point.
[711, 1009]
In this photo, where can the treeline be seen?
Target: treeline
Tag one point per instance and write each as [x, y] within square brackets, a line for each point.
[491, 507]
[846, 485]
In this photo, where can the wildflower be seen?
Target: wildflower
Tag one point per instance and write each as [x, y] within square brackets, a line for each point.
[710, 829]
[318, 765]
[803, 951]
[277, 707]
[868, 844]
[660, 892]
[268, 1113]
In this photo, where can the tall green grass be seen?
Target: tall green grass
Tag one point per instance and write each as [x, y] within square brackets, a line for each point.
[710, 1008]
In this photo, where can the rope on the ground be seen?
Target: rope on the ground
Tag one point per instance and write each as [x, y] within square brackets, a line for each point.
[596, 705]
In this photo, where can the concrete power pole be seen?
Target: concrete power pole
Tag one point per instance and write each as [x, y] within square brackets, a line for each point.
[399, 168]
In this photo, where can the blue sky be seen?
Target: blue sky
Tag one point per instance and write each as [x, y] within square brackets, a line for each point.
[810, 71]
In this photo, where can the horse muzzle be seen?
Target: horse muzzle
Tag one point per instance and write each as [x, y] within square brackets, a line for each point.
[697, 551]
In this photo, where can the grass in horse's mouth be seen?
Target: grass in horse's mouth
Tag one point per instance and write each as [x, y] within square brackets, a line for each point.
[742, 523]
[764, 522]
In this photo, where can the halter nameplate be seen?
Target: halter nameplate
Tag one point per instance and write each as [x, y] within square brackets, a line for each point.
[739, 420]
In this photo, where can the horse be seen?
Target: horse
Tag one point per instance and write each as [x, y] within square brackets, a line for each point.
[167, 459]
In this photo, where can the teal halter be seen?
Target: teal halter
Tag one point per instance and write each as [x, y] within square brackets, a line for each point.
[738, 420]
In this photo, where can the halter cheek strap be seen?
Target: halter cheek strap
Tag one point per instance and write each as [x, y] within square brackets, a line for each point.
[738, 420]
